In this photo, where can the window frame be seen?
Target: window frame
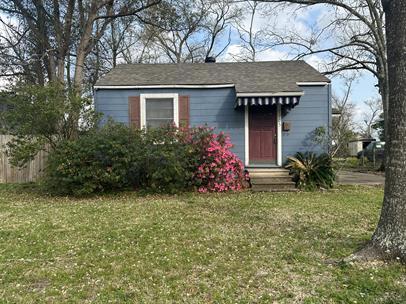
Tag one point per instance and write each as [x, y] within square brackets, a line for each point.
[143, 106]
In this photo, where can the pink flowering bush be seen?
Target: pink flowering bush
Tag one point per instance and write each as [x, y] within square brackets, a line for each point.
[217, 168]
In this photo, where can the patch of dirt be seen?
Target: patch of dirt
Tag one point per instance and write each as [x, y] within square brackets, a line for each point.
[39, 285]
[371, 254]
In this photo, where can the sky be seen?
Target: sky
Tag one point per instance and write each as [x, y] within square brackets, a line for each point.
[302, 21]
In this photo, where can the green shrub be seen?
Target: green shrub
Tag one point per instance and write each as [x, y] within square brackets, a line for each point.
[311, 171]
[103, 160]
[166, 159]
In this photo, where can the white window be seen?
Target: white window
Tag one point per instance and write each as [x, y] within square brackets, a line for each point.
[159, 110]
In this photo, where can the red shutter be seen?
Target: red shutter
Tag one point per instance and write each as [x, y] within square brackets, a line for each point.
[134, 113]
[184, 109]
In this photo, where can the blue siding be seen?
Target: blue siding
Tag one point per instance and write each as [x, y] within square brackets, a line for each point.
[313, 111]
[214, 107]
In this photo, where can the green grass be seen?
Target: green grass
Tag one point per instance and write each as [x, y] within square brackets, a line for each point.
[235, 248]
[355, 164]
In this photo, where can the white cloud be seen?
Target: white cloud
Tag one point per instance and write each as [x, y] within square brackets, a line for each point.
[359, 111]
[316, 61]
[270, 55]
[236, 51]
[233, 51]
[284, 20]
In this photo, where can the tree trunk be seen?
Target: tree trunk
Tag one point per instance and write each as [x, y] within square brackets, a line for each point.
[389, 238]
[384, 92]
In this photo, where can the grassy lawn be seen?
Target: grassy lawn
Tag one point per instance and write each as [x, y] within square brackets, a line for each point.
[355, 164]
[235, 248]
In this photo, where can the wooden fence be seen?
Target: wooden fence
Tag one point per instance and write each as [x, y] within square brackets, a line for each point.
[11, 174]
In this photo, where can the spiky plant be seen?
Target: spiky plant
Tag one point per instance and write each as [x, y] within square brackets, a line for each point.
[311, 171]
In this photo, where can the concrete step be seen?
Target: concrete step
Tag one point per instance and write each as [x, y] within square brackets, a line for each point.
[267, 170]
[277, 187]
[269, 176]
[271, 180]
[274, 172]
[264, 180]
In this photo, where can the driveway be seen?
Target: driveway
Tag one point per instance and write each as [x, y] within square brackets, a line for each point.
[357, 178]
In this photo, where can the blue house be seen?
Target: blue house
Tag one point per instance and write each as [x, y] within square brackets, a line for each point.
[269, 109]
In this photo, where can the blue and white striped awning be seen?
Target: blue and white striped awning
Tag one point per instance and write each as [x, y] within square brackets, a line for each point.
[264, 101]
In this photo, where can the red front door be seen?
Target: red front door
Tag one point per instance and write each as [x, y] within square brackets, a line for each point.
[262, 135]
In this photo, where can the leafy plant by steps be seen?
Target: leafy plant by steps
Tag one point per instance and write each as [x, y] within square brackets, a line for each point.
[311, 171]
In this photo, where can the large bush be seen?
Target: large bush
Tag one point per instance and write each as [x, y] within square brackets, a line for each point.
[311, 171]
[103, 160]
[165, 159]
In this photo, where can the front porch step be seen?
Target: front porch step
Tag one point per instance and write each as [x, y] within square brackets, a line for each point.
[266, 180]
[269, 173]
[267, 170]
[276, 187]
[271, 179]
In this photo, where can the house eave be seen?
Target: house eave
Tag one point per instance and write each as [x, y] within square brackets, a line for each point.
[319, 83]
[165, 86]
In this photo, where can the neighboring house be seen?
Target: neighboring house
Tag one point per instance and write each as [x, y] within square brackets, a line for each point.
[269, 109]
[336, 113]
[358, 144]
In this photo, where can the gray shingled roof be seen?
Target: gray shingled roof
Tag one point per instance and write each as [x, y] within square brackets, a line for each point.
[248, 77]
